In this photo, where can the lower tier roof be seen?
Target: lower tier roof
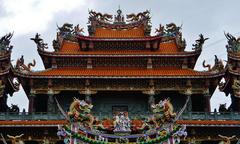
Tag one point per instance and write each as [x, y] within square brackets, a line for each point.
[119, 72]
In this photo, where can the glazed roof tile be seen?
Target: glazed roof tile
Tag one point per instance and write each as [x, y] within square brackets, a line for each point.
[164, 48]
[120, 33]
[8, 123]
[118, 72]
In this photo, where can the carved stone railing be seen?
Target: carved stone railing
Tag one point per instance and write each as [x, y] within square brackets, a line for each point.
[210, 116]
[140, 115]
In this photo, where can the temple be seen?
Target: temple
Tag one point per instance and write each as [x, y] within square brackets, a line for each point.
[120, 83]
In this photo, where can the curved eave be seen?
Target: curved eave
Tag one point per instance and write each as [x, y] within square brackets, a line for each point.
[155, 54]
[33, 75]
[101, 39]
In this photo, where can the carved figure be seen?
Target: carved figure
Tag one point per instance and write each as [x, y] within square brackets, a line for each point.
[56, 45]
[223, 108]
[236, 87]
[78, 30]
[14, 109]
[5, 42]
[226, 140]
[21, 66]
[180, 133]
[199, 42]
[160, 30]
[79, 111]
[163, 113]
[14, 138]
[39, 42]
[2, 87]
[122, 123]
[218, 65]
[233, 43]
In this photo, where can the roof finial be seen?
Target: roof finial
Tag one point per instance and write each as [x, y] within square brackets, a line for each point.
[119, 17]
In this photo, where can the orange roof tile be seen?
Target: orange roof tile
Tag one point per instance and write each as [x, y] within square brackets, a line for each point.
[32, 122]
[73, 48]
[69, 47]
[118, 72]
[121, 33]
[168, 47]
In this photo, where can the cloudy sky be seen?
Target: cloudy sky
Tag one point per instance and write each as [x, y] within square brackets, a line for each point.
[27, 17]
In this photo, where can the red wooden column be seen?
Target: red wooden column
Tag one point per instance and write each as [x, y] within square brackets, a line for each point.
[31, 107]
[207, 103]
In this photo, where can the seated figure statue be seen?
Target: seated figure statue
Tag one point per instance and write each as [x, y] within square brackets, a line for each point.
[122, 122]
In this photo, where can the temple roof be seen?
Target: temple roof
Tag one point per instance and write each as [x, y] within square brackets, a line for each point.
[120, 33]
[119, 72]
[165, 48]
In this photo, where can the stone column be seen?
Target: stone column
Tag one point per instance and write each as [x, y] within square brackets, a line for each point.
[188, 93]
[31, 106]
[50, 102]
[88, 95]
[151, 98]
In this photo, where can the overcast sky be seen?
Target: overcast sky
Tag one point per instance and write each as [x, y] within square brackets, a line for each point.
[209, 17]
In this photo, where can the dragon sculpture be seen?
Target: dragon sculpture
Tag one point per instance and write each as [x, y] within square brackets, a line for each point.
[225, 139]
[66, 28]
[140, 16]
[171, 29]
[79, 111]
[39, 41]
[15, 139]
[21, 66]
[5, 42]
[233, 43]
[163, 113]
[99, 16]
[236, 87]
[199, 42]
[218, 65]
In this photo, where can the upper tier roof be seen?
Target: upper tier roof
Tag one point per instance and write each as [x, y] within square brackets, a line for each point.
[165, 48]
[69, 47]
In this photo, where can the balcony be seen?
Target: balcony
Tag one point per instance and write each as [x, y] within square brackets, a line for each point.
[210, 116]
[184, 116]
[31, 116]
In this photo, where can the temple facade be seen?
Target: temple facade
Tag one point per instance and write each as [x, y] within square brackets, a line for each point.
[119, 71]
